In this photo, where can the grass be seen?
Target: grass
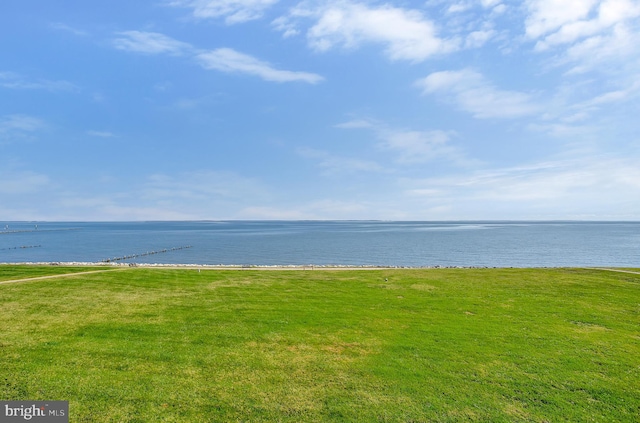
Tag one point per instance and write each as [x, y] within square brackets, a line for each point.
[8, 272]
[446, 345]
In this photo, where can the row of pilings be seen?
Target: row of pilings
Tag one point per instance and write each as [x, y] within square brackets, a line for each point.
[148, 253]
[20, 247]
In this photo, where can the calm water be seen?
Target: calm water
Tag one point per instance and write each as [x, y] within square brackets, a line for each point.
[502, 244]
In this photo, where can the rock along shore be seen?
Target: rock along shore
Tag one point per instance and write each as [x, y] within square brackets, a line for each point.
[243, 266]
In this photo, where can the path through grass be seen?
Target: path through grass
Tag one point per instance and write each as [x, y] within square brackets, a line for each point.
[247, 345]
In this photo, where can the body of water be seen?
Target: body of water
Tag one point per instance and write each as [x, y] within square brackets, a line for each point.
[352, 243]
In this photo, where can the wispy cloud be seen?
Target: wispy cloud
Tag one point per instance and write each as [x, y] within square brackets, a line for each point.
[614, 52]
[22, 182]
[586, 108]
[554, 23]
[473, 21]
[233, 11]
[14, 127]
[319, 209]
[222, 59]
[609, 97]
[150, 43]
[548, 16]
[479, 38]
[419, 146]
[333, 165]
[205, 185]
[406, 34]
[203, 194]
[101, 134]
[471, 92]
[63, 27]
[606, 186]
[231, 61]
[357, 124]
[588, 33]
[591, 107]
[408, 145]
[12, 80]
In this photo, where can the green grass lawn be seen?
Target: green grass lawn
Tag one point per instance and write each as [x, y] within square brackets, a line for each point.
[8, 272]
[446, 345]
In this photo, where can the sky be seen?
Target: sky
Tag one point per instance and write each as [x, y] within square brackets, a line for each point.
[114, 110]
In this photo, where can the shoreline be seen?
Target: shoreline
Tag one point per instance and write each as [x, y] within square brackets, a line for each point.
[123, 265]
[232, 266]
[266, 266]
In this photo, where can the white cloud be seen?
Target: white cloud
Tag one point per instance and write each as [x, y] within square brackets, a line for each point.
[205, 185]
[546, 16]
[338, 165]
[609, 97]
[16, 81]
[418, 146]
[204, 194]
[499, 9]
[19, 127]
[63, 27]
[409, 146]
[320, 209]
[612, 51]
[284, 25]
[562, 189]
[579, 187]
[150, 43]
[590, 33]
[585, 109]
[229, 60]
[20, 123]
[406, 34]
[490, 3]
[275, 213]
[233, 11]
[22, 182]
[101, 134]
[459, 7]
[105, 207]
[583, 186]
[477, 39]
[593, 114]
[356, 124]
[222, 59]
[562, 22]
[470, 91]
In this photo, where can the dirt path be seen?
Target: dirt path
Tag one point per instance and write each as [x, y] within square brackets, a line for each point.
[56, 276]
[614, 270]
[238, 268]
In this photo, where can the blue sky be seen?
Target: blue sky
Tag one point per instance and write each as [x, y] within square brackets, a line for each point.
[268, 109]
